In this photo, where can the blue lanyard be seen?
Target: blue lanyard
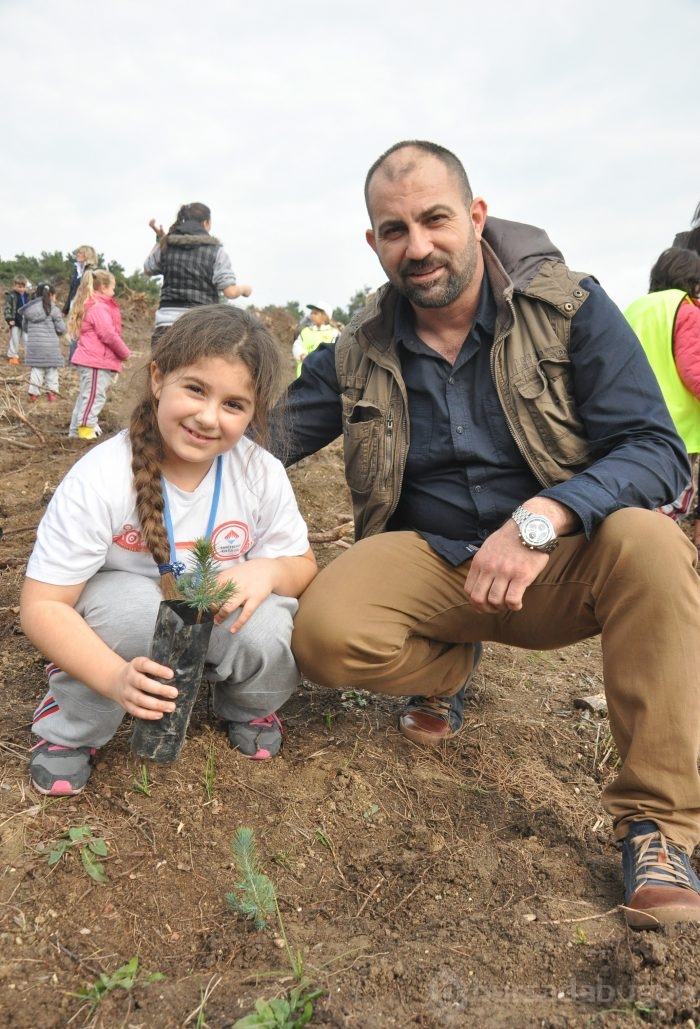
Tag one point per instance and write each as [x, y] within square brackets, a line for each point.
[175, 566]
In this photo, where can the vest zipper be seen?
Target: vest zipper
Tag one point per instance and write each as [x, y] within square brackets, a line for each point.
[387, 447]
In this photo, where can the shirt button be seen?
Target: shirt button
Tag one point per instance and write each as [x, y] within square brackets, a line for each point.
[460, 428]
[477, 489]
[451, 380]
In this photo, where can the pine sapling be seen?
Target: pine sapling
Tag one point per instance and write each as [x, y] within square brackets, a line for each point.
[201, 588]
[256, 898]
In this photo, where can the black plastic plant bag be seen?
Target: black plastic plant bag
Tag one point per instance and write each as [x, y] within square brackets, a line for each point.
[181, 643]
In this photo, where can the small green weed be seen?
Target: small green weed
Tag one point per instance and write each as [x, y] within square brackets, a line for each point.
[123, 978]
[210, 772]
[354, 698]
[294, 1010]
[143, 783]
[91, 849]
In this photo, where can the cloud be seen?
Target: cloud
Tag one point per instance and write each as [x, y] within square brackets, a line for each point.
[578, 119]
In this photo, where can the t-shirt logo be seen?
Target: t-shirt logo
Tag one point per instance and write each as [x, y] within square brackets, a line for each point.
[231, 540]
[130, 538]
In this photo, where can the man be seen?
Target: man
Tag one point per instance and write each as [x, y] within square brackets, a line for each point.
[504, 442]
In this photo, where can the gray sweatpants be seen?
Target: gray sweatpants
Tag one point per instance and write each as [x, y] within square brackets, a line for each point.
[14, 339]
[92, 394]
[253, 671]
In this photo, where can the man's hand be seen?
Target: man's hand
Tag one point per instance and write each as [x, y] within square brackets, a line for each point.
[501, 571]
[503, 568]
[158, 229]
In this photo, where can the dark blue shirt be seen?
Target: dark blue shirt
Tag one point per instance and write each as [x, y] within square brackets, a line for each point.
[465, 474]
[460, 446]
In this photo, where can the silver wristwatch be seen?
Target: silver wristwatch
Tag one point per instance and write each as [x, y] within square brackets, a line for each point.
[536, 531]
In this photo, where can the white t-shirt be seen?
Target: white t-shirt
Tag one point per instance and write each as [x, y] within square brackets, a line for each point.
[91, 523]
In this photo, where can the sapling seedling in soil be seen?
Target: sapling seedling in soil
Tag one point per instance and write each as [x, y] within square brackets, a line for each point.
[180, 641]
[255, 898]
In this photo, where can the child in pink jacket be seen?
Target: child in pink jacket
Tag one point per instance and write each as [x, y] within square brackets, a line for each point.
[96, 322]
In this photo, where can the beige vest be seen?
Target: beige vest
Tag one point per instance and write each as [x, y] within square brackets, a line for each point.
[530, 367]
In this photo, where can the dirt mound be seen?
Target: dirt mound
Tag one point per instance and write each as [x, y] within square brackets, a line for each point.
[476, 885]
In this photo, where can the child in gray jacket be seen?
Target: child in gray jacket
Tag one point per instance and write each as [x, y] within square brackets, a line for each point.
[44, 327]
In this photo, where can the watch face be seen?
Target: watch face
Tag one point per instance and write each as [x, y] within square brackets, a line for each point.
[537, 531]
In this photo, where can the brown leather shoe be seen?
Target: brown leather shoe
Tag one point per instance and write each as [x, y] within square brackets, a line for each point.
[430, 720]
[660, 885]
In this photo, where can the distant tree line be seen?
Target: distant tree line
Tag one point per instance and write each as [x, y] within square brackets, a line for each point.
[57, 268]
[339, 314]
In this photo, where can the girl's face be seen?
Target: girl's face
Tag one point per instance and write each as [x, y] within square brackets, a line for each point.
[203, 410]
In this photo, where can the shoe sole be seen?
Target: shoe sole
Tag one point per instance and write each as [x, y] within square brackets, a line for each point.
[60, 788]
[429, 739]
[654, 918]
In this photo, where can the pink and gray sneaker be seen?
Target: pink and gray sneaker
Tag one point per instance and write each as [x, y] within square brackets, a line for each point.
[259, 739]
[58, 771]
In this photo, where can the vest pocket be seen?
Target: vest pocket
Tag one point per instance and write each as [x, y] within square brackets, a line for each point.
[362, 430]
[545, 399]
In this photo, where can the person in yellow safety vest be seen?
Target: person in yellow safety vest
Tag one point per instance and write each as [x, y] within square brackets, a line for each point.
[313, 335]
[667, 323]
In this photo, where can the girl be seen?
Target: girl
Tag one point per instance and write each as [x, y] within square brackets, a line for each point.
[95, 321]
[42, 352]
[194, 265]
[126, 513]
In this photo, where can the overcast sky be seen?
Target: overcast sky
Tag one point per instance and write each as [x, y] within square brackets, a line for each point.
[579, 117]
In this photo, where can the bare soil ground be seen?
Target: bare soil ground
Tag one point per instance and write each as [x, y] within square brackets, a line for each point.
[473, 885]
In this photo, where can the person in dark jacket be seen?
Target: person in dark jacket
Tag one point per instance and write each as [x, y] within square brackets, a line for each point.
[85, 257]
[505, 445]
[194, 265]
[15, 299]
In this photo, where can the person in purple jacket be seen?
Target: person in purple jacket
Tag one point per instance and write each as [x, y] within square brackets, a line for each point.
[96, 322]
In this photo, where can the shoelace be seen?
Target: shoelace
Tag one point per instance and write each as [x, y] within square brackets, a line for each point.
[439, 706]
[658, 863]
[268, 722]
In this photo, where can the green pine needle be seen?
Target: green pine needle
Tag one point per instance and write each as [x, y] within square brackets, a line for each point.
[201, 588]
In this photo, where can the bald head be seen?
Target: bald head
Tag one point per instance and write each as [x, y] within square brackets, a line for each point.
[403, 158]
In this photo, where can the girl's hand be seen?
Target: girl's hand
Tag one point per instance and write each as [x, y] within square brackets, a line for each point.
[140, 695]
[256, 580]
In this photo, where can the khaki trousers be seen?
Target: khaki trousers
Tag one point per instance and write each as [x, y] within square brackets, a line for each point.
[391, 616]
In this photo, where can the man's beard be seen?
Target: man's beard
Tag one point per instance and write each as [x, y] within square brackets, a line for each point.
[433, 295]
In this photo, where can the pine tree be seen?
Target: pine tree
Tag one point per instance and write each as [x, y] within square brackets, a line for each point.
[200, 588]
[256, 897]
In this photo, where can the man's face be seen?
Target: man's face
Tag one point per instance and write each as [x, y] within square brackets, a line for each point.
[20, 287]
[425, 237]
